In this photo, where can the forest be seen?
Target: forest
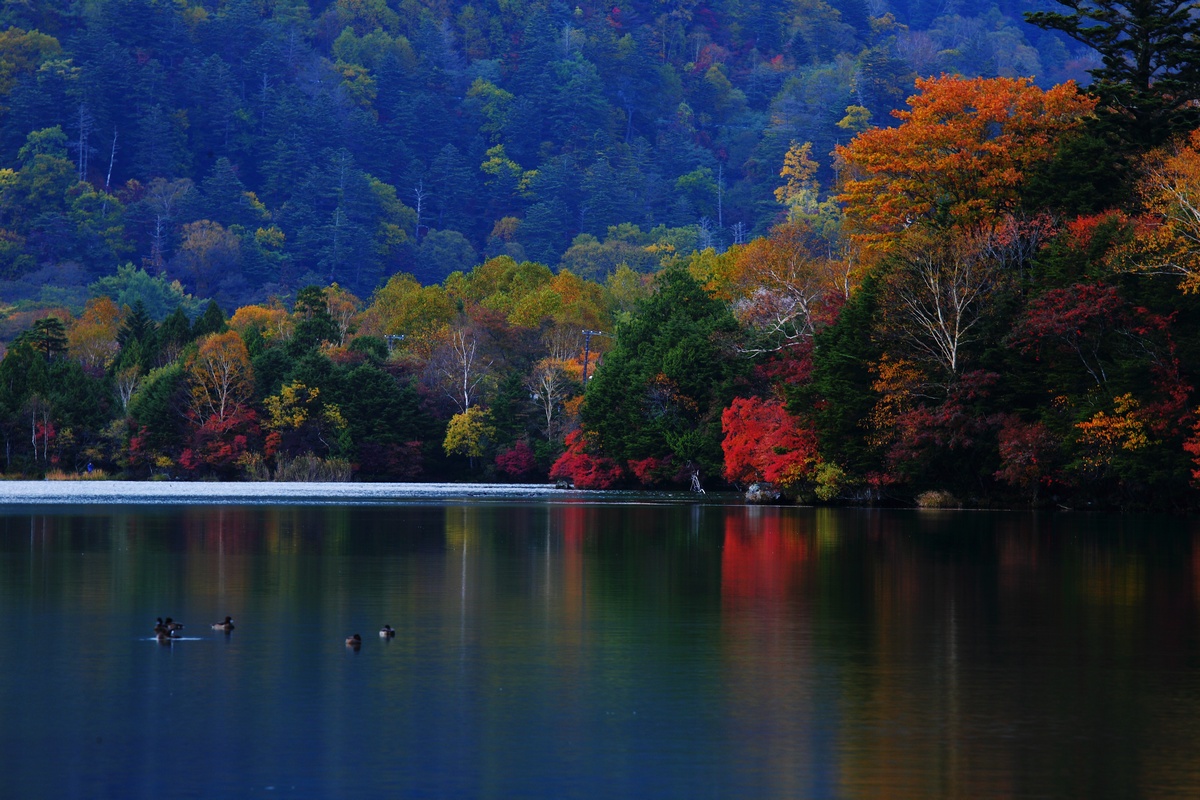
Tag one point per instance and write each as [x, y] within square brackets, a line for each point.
[852, 252]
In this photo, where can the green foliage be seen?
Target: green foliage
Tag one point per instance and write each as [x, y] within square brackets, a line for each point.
[839, 397]
[662, 388]
[48, 337]
[373, 347]
[158, 296]
[159, 406]
[1150, 79]
[315, 325]
[378, 408]
[589, 120]
[211, 321]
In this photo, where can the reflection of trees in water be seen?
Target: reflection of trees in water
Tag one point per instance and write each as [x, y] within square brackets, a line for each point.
[835, 652]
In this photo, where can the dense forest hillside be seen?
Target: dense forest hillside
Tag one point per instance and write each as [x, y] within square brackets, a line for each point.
[248, 148]
[841, 252]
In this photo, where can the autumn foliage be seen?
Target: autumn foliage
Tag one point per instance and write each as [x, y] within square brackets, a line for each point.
[937, 325]
[219, 443]
[960, 153]
[1168, 239]
[764, 443]
[583, 469]
[518, 461]
[221, 376]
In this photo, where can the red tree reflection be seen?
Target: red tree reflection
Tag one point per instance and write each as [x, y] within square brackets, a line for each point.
[762, 554]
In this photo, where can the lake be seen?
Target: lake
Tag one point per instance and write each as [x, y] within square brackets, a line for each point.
[578, 645]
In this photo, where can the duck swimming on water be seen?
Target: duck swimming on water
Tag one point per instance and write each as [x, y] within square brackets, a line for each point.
[354, 641]
[387, 632]
[226, 626]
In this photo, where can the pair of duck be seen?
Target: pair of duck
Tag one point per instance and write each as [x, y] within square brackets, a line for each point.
[386, 632]
[166, 630]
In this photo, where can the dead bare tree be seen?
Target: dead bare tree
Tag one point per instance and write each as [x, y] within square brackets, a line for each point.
[458, 368]
[84, 122]
[549, 387]
[163, 197]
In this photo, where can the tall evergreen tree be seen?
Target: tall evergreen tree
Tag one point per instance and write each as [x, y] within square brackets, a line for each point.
[48, 337]
[661, 390]
[1150, 82]
[211, 321]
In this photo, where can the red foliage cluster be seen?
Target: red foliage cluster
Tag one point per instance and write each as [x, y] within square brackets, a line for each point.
[1191, 445]
[763, 443]
[1072, 320]
[583, 469]
[790, 366]
[138, 454]
[1026, 452]
[518, 461]
[952, 425]
[1082, 230]
[402, 460]
[653, 471]
[45, 433]
[218, 444]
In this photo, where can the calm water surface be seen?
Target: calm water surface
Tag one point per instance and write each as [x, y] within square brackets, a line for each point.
[576, 649]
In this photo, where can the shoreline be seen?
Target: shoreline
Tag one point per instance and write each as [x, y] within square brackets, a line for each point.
[93, 492]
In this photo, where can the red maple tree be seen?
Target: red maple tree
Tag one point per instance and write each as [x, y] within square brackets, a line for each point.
[585, 470]
[764, 443]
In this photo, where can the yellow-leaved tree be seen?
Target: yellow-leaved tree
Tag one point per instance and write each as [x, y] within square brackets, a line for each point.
[1168, 238]
[404, 308]
[799, 191]
[300, 421]
[468, 433]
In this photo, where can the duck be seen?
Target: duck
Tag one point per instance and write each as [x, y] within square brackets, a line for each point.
[354, 641]
[162, 637]
[172, 626]
[226, 626]
[387, 632]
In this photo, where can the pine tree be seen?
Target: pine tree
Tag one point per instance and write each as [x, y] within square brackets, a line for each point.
[211, 321]
[48, 336]
[137, 325]
[1150, 81]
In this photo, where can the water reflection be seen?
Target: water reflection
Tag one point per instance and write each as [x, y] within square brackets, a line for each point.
[584, 649]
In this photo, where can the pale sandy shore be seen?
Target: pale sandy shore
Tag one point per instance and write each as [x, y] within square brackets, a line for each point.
[92, 492]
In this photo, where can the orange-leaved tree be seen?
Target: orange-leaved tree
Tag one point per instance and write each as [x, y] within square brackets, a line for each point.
[959, 155]
[220, 376]
[781, 286]
[92, 339]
